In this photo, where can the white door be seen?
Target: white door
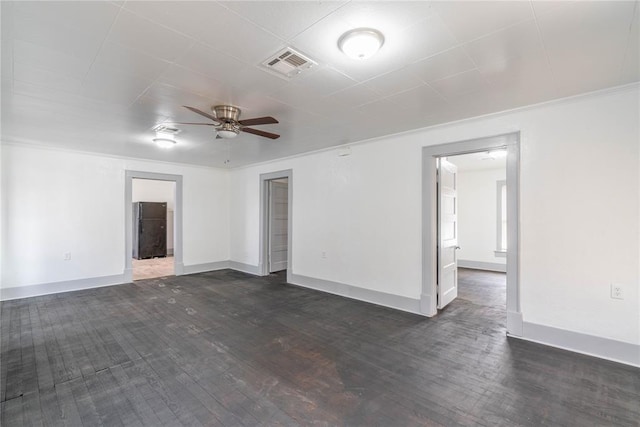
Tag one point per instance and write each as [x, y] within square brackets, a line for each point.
[447, 232]
[278, 225]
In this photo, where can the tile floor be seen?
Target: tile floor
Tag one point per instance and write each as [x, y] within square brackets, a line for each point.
[152, 268]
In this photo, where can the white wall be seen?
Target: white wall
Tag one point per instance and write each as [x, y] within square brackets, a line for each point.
[149, 190]
[579, 223]
[62, 201]
[477, 214]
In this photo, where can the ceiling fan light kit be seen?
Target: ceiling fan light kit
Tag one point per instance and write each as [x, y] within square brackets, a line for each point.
[228, 131]
[226, 121]
[361, 43]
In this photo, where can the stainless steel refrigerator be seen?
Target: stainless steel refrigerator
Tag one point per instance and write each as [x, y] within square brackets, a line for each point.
[149, 230]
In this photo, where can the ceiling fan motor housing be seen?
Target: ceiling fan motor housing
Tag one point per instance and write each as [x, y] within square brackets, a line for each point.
[226, 113]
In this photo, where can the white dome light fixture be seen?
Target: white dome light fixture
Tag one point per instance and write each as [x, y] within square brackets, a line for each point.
[361, 43]
[164, 140]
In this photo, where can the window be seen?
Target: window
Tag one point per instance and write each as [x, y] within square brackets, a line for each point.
[501, 215]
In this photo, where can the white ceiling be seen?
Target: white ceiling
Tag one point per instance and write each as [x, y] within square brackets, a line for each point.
[97, 76]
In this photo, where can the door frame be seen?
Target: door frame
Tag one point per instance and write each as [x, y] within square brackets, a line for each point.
[511, 142]
[263, 265]
[178, 264]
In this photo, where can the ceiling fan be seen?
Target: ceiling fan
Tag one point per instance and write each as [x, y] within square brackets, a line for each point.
[227, 124]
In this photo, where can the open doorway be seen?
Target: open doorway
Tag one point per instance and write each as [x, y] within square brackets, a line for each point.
[156, 189]
[153, 213]
[440, 243]
[275, 223]
[480, 227]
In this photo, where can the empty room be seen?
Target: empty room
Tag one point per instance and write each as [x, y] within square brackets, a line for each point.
[334, 213]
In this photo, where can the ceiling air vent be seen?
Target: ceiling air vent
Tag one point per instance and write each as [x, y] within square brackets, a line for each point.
[288, 63]
[165, 129]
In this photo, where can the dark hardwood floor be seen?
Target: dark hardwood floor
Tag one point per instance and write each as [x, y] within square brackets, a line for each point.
[226, 348]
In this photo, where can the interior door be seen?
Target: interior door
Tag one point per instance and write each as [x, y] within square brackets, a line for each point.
[278, 225]
[447, 232]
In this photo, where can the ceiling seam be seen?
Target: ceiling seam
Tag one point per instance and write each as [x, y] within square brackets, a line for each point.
[95, 57]
[544, 45]
[629, 39]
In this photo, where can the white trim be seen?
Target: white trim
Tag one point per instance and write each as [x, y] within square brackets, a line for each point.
[429, 215]
[499, 186]
[28, 143]
[558, 101]
[263, 265]
[203, 268]
[130, 175]
[604, 348]
[480, 265]
[514, 323]
[500, 254]
[40, 289]
[245, 268]
[397, 302]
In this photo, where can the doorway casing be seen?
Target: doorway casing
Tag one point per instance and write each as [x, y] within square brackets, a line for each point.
[128, 218]
[511, 141]
[263, 264]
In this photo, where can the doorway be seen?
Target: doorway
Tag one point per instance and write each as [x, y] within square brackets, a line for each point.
[433, 260]
[157, 190]
[275, 223]
[472, 230]
[153, 204]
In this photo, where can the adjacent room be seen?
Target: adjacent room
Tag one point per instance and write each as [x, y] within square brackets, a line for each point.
[153, 228]
[353, 213]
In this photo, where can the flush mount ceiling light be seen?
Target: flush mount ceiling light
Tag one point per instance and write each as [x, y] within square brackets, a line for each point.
[361, 43]
[165, 135]
[164, 140]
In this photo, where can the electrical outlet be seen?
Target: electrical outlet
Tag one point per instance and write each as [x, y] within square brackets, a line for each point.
[617, 291]
[323, 254]
[67, 256]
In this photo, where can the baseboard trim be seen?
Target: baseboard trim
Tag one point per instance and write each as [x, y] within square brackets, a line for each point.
[479, 265]
[40, 289]
[426, 305]
[591, 345]
[208, 266]
[245, 268]
[514, 323]
[361, 294]
[178, 268]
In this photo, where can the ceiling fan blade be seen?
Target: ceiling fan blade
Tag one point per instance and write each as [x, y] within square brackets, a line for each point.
[260, 133]
[202, 113]
[258, 121]
[201, 124]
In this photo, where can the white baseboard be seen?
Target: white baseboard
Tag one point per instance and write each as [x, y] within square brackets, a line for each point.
[479, 265]
[178, 268]
[604, 348]
[245, 268]
[367, 295]
[427, 305]
[201, 268]
[514, 323]
[58, 287]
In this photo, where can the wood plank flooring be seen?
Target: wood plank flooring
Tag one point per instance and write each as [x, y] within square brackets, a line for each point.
[226, 348]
